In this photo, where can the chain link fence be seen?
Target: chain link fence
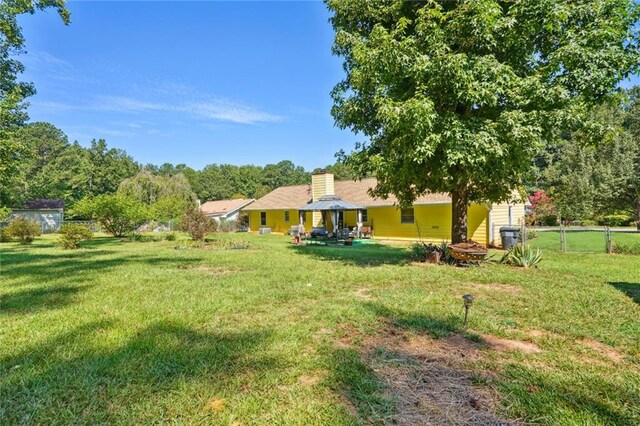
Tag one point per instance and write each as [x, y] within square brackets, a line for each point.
[576, 239]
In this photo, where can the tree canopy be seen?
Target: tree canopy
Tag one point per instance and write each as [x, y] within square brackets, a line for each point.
[459, 96]
[12, 91]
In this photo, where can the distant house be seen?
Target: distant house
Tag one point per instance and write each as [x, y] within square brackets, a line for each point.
[429, 217]
[225, 209]
[48, 213]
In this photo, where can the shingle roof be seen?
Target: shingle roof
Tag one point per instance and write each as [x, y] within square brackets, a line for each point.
[283, 198]
[44, 204]
[356, 192]
[223, 207]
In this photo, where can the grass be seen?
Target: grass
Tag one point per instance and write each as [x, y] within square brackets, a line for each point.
[581, 241]
[139, 332]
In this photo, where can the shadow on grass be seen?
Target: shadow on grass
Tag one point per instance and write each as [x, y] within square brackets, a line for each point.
[354, 376]
[31, 266]
[73, 379]
[538, 393]
[32, 300]
[630, 289]
[436, 327]
[364, 255]
[586, 398]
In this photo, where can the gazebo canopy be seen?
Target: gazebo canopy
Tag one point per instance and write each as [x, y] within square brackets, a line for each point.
[330, 203]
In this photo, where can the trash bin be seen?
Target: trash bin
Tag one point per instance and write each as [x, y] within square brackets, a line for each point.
[509, 236]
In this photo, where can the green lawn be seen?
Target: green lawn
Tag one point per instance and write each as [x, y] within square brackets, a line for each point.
[581, 241]
[140, 333]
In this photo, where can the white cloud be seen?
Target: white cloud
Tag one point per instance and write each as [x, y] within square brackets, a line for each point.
[222, 110]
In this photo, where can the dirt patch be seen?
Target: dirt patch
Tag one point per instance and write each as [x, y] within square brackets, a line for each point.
[544, 334]
[602, 349]
[210, 270]
[362, 293]
[310, 380]
[432, 380]
[506, 345]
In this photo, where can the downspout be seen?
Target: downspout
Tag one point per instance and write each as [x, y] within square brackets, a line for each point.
[490, 220]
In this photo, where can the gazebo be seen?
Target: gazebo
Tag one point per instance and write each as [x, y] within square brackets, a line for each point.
[332, 205]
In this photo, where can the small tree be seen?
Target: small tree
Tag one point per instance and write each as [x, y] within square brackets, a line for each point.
[197, 224]
[119, 215]
[24, 229]
[71, 234]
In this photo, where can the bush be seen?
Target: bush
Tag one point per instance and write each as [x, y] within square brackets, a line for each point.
[419, 251]
[549, 220]
[617, 220]
[71, 234]
[24, 229]
[5, 236]
[628, 248]
[227, 225]
[524, 257]
[170, 236]
[531, 234]
[588, 222]
[197, 224]
[119, 215]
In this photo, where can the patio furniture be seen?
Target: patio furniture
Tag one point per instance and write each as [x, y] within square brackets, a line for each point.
[366, 232]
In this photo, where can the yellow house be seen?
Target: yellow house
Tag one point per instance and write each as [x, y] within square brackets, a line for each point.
[428, 219]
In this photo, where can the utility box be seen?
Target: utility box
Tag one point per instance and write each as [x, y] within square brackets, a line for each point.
[509, 236]
[264, 231]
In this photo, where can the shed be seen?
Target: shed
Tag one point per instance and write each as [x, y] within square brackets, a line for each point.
[48, 213]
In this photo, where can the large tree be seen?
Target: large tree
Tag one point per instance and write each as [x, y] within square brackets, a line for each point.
[459, 96]
[12, 91]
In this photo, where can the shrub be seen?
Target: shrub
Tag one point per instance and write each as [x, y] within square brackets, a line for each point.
[24, 229]
[170, 236]
[626, 248]
[524, 257]
[71, 234]
[588, 222]
[418, 252]
[549, 220]
[119, 215]
[227, 225]
[197, 224]
[531, 234]
[617, 220]
[5, 236]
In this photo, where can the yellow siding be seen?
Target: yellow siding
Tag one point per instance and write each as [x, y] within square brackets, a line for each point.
[500, 217]
[478, 224]
[432, 222]
[275, 220]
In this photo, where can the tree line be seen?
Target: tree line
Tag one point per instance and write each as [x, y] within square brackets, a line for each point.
[592, 176]
[49, 166]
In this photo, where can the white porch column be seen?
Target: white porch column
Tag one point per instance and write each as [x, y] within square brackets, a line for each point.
[359, 223]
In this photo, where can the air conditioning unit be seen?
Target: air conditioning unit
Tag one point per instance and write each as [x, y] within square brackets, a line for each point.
[264, 231]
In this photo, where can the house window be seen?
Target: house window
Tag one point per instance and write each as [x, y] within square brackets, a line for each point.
[406, 215]
[263, 218]
[365, 216]
[340, 219]
[286, 215]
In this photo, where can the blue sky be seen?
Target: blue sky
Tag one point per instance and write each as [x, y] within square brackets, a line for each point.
[190, 82]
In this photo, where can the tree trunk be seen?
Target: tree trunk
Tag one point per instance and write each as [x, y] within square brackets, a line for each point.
[459, 203]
